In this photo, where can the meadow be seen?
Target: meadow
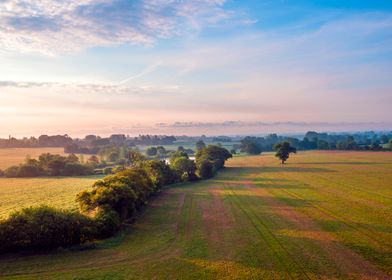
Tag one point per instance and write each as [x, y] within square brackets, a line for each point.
[323, 215]
[14, 156]
[17, 193]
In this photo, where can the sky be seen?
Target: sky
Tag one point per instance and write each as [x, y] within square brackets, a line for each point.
[194, 67]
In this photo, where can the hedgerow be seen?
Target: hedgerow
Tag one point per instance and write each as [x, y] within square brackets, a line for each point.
[104, 208]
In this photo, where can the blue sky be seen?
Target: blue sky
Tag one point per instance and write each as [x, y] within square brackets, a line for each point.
[194, 67]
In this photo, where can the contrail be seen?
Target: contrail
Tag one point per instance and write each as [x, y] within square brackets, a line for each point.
[145, 71]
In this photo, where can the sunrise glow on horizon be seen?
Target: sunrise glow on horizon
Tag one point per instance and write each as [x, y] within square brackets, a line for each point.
[194, 67]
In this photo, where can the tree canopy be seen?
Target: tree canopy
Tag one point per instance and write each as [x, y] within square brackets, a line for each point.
[283, 151]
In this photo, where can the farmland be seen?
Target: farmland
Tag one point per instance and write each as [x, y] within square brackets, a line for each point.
[322, 215]
[14, 156]
[17, 193]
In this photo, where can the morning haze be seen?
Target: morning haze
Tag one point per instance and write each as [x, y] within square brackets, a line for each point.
[195, 139]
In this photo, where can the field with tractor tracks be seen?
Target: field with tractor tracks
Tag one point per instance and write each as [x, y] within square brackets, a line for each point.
[323, 215]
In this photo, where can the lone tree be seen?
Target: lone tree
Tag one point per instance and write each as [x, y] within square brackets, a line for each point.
[283, 151]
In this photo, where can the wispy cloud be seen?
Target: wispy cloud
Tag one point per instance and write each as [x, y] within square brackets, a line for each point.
[52, 26]
[144, 72]
[259, 124]
[98, 88]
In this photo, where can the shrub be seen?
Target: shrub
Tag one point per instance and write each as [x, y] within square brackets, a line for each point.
[77, 169]
[29, 170]
[160, 173]
[122, 192]
[107, 170]
[205, 169]
[44, 228]
[107, 223]
[117, 169]
[215, 155]
[184, 167]
[52, 165]
[12, 171]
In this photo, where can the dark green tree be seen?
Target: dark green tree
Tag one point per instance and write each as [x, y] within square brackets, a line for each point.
[251, 148]
[184, 167]
[152, 151]
[283, 151]
[205, 169]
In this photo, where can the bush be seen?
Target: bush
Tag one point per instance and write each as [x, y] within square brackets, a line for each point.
[122, 192]
[1, 173]
[107, 170]
[52, 165]
[77, 169]
[12, 172]
[107, 223]
[29, 170]
[160, 173]
[44, 228]
[205, 169]
[184, 167]
[215, 155]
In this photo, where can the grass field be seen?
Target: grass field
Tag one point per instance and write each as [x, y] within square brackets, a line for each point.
[16, 193]
[14, 156]
[324, 215]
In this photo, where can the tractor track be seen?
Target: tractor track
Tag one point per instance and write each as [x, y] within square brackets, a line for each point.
[249, 214]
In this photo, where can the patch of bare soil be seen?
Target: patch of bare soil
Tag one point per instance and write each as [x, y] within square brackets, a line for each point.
[217, 223]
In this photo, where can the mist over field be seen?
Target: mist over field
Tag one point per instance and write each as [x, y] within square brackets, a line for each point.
[196, 139]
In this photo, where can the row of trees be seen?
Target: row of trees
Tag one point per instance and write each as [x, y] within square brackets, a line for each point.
[110, 202]
[41, 141]
[161, 152]
[52, 165]
[90, 143]
[319, 141]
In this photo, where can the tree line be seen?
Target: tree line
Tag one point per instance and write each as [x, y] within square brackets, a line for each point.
[320, 141]
[108, 204]
[49, 164]
[90, 144]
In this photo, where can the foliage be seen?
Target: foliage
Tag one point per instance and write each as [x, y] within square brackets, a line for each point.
[160, 173]
[184, 167]
[200, 145]
[122, 192]
[93, 160]
[205, 169]
[77, 169]
[50, 165]
[321, 141]
[44, 228]
[211, 210]
[152, 151]
[215, 155]
[107, 222]
[111, 201]
[107, 170]
[283, 151]
[250, 147]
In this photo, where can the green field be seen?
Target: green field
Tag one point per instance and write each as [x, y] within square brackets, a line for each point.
[16, 193]
[14, 156]
[324, 215]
